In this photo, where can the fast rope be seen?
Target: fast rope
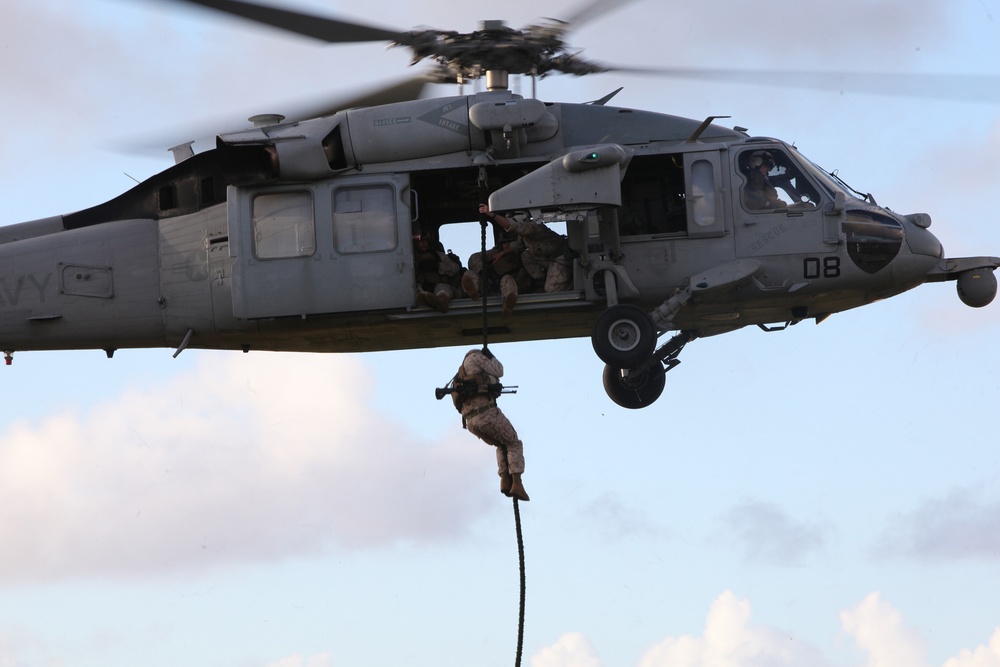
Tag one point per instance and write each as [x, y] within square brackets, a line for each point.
[520, 560]
[483, 197]
[482, 274]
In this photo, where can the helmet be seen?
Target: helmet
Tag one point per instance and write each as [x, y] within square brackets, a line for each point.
[761, 158]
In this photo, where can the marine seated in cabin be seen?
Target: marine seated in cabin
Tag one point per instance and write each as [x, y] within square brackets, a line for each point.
[439, 274]
[503, 273]
[547, 256]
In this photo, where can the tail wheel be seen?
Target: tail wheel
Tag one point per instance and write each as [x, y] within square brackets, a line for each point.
[624, 336]
[634, 389]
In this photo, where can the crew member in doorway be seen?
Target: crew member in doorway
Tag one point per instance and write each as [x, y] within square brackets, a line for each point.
[475, 389]
[439, 274]
[546, 257]
[503, 273]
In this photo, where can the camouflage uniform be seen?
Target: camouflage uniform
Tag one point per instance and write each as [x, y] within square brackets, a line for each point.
[482, 417]
[438, 275]
[545, 256]
[506, 274]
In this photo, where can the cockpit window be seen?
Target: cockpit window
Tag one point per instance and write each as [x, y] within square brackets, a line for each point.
[775, 181]
[828, 181]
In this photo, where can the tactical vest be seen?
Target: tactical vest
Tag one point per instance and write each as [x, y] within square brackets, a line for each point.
[428, 270]
[468, 385]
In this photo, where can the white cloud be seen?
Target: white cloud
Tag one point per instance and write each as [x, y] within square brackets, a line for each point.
[879, 631]
[983, 656]
[570, 650]
[248, 458]
[731, 641]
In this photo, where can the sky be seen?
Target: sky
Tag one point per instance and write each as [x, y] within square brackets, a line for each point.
[826, 496]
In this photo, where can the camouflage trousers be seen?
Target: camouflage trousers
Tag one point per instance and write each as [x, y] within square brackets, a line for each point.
[441, 290]
[508, 285]
[556, 273]
[493, 428]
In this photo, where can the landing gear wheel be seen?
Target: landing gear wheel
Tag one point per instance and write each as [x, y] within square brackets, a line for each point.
[624, 336]
[636, 388]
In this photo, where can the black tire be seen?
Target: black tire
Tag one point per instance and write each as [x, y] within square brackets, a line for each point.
[638, 389]
[624, 336]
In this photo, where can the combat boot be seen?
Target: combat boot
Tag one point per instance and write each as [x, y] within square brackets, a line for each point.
[439, 301]
[516, 488]
[505, 483]
[508, 292]
[509, 301]
[470, 285]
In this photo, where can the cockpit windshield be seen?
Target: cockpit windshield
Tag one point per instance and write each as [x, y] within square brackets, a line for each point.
[827, 181]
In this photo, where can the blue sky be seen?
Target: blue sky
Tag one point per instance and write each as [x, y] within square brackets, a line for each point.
[826, 495]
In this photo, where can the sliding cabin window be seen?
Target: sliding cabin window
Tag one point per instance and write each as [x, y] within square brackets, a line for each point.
[364, 219]
[284, 225]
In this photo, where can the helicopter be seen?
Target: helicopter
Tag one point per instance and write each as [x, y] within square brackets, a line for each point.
[295, 235]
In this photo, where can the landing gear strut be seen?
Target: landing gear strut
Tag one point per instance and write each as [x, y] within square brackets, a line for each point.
[638, 387]
[624, 338]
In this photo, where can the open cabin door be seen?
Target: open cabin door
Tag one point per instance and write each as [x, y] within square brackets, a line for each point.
[335, 246]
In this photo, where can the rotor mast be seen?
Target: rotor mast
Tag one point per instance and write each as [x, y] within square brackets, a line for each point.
[497, 79]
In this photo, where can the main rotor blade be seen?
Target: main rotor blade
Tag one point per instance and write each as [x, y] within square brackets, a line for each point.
[592, 10]
[956, 87]
[404, 91]
[205, 130]
[318, 27]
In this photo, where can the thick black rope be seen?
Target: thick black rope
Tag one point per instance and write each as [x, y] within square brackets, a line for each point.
[520, 558]
[482, 278]
[517, 512]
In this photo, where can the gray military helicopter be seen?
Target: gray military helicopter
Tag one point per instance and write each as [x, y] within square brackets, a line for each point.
[295, 235]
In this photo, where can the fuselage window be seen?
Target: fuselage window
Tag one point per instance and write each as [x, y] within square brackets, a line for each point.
[283, 225]
[364, 219]
[774, 181]
[703, 192]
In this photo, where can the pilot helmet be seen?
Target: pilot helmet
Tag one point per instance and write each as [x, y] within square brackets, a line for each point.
[761, 158]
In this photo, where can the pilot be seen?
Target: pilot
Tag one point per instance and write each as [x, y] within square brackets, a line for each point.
[438, 273]
[504, 273]
[759, 193]
[546, 257]
[476, 387]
